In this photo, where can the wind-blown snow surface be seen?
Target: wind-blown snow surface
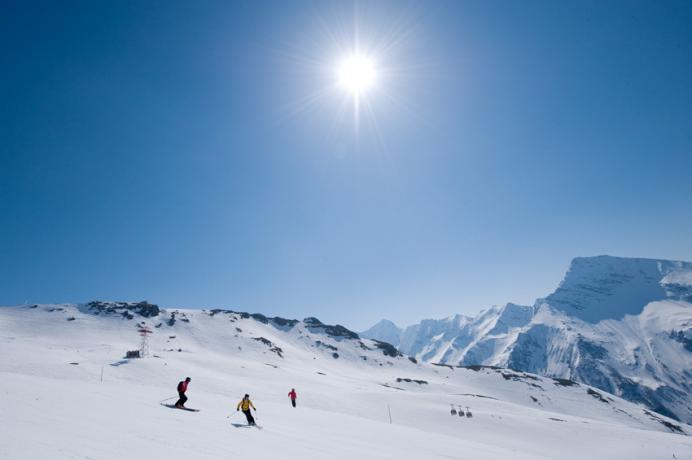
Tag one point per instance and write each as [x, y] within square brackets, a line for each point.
[57, 405]
[621, 325]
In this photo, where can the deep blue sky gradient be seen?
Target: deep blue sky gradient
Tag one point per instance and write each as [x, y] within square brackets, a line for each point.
[164, 151]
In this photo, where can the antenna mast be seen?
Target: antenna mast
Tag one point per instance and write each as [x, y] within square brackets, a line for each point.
[144, 332]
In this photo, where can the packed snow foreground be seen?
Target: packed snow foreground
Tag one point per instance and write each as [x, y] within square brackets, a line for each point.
[67, 392]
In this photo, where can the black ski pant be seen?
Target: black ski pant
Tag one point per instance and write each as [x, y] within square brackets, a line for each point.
[182, 400]
[293, 401]
[249, 417]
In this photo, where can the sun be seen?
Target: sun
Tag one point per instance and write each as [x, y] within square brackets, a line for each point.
[357, 74]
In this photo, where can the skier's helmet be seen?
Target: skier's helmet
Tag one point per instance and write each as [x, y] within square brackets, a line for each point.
[188, 379]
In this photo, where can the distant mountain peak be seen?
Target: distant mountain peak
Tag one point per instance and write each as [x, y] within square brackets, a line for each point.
[387, 323]
[384, 331]
[607, 287]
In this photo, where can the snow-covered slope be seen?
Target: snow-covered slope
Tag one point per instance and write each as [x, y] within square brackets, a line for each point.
[68, 393]
[621, 325]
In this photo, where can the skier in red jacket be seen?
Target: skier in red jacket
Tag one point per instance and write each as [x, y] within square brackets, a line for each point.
[182, 388]
[293, 395]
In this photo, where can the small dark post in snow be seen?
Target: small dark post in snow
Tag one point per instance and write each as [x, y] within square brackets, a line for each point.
[390, 413]
[101, 373]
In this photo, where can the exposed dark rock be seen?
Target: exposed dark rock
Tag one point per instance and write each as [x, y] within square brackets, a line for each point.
[363, 346]
[273, 348]
[125, 309]
[277, 321]
[312, 321]
[671, 426]
[171, 320]
[477, 367]
[564, 382]
[259, 317]
[319, 343]
[413, 360]
[315, 325]
[419, 382]
[596, 395]
[518, 376]
[335, 355]
[387, 349]
[216, 311]
[283, 322]
[443, 365]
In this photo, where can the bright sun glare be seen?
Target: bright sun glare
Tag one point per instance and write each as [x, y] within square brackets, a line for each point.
[357, 74]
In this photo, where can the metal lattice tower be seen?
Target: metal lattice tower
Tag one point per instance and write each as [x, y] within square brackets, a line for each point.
[144, 332]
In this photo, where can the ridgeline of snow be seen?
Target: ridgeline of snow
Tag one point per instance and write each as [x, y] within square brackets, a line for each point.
[621, 325]
[68, 393]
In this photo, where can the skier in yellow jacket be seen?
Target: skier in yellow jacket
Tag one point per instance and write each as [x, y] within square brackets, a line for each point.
[245, 404]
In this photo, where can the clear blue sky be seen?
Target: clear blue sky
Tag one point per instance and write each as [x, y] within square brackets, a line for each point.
[167, 151]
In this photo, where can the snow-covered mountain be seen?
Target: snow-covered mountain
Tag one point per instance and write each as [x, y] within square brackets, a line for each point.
[622, 325]
[599, 288]
[385, 331]
[69, 393]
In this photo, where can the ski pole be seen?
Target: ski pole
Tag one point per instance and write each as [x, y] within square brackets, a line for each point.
[167, 399]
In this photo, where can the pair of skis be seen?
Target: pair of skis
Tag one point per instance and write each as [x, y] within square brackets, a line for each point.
[238, 425]
[460, 411]
[173, 406]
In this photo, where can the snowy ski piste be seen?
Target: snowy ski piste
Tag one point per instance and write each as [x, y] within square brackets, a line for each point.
[69, 393]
